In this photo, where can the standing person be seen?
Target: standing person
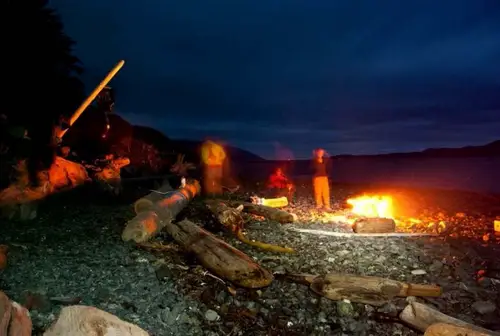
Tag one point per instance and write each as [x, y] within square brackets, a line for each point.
[213, 157]
[321, 171]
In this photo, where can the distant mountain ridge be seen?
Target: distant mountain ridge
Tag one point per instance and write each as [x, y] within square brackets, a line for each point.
[489, 150]
[163, 143]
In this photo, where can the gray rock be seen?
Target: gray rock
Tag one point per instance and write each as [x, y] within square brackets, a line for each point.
[211, 315]
[436, 266]
[484, 307]
[418, 272]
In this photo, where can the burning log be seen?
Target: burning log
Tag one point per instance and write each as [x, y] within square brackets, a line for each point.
[149, 223]
[273, 214]
[374, 225]
[147, 202]
[231, 219]
[422, 317]
[219, 257]
[445, 329]
[370, 290]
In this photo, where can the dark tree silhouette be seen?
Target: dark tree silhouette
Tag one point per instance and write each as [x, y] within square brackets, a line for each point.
[40, 74]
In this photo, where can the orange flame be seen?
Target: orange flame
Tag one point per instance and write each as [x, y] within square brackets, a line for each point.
[372, 206]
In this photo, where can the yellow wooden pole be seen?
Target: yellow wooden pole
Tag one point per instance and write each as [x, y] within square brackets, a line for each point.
[92, 96]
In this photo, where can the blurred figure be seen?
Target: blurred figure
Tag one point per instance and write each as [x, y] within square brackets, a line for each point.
[213, 157]
[280, 185]
[321, 171]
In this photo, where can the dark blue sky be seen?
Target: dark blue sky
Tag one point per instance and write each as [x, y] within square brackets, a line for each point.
[351, 76]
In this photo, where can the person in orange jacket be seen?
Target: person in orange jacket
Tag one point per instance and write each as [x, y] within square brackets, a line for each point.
[213, 157]
[321, 184]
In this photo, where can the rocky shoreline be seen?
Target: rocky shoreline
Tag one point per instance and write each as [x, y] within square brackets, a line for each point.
[74, 253]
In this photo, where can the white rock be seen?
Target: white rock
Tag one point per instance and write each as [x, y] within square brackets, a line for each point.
[89, 321]
[418, 272]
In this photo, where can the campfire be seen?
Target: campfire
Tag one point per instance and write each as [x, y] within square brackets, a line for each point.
[372, 206]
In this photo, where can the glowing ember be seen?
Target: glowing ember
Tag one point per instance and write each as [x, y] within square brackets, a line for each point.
[372, 206]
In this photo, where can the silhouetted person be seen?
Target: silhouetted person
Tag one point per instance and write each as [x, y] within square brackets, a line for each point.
[321, 185]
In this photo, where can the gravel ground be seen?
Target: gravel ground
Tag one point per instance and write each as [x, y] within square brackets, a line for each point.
[74, 253]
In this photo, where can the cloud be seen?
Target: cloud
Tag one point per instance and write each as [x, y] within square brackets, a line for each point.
[349, 74]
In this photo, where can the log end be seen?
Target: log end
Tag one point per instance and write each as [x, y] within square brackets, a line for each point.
[142, 205]
[142, 227]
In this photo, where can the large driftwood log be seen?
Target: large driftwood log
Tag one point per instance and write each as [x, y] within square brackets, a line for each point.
[231, 219]
[273, 214]
[446, 329]
[370, 290]
[149, 223]
[421, 317]
[147, 202]
[374, 225]
[219, 257]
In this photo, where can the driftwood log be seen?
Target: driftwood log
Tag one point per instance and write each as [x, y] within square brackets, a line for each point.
[14, 318]
[370, 290]
[20, 200]
[149, 223]
[374, 225]
[85, 321]
[446, 329]
[5, 312]
[232, 220]
[362, 235]
[219, 257]
[421, 317]
[273, 214]
[147, 202]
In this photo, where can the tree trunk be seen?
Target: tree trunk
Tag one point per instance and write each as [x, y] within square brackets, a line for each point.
[219, 257]
[149, 223]
[147, 202]
[374, 225]
[273, 214]
[370, 290]
[421, 317]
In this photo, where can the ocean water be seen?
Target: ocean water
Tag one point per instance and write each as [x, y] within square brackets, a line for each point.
[477, 174]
